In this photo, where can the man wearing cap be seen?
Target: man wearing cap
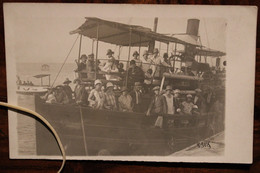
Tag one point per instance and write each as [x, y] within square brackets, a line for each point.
[90, 63]
[110, 54]
[125, 101]
[145, 61]
[170, 106]
[135, 74]
[136, 58]
[110, 99]
[137, 95]
[200, 101]
[80, 92]
[81, 63]
[96, 96]
[157, 60]
[187, 105]
[157, 107]
[67, 89]
[61, 96]
[111, 67]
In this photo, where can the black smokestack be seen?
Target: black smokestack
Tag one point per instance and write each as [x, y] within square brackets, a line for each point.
[193, 27]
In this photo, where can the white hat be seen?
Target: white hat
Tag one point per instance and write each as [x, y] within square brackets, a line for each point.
[189, 96]
[176, 91]
[97, 82]
[198, 90]
[109, 84]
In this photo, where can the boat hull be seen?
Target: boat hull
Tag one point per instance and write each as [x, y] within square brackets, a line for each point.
[85, 131]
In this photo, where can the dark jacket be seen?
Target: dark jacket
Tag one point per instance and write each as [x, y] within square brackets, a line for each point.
[80, 94]
[158, 105]
[136, 107]
[135, 74]
[68, 91]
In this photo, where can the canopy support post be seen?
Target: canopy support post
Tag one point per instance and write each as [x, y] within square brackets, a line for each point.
[49, 80]
[41, 81]
[119, 52]
[140, 45]
[129, 51]
[80, 40]
[96, 64]
[167, 48]
[92, 48]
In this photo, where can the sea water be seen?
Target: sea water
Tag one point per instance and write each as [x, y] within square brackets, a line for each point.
[26, 125]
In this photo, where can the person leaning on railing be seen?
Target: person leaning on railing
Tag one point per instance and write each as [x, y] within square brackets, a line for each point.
[135, 74]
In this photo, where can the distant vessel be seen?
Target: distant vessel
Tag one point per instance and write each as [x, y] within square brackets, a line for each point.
[45, 67]
[30, 88]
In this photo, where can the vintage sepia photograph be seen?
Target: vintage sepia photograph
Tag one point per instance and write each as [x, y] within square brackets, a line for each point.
[119, 85]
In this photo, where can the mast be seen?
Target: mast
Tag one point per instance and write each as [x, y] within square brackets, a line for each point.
[152, 43]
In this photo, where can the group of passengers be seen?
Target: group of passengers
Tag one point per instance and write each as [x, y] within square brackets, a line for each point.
[147, 66]
[163, 102]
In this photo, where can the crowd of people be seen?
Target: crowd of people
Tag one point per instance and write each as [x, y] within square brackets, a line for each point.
[140, 68]
[140, 73]
[166, 102]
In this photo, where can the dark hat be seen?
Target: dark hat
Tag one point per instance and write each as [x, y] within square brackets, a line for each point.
[132, 62]
[67, 81]
[76, 80]
[156, 50]
[168, 87]
[84, 56]
[59, 87]
[138, 84]
[124, 89]
[135, 53]
[91, 55]
[110, 52]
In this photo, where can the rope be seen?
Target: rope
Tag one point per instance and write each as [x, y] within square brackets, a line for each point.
[64, 61]
[46, 123]
[83, 131]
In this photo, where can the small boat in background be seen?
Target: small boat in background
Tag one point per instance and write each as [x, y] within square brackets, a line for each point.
[30, 88]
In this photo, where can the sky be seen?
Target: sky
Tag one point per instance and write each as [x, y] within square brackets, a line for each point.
[42, 37]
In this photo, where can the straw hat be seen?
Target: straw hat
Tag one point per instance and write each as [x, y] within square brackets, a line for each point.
[97, 82]
[156, 88]
[109, 84]
[189, 96]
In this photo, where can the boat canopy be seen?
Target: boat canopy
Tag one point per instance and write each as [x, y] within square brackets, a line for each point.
[200, 50]
[122, 34]
[41, 75]
[209, 52]
[178, 76]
